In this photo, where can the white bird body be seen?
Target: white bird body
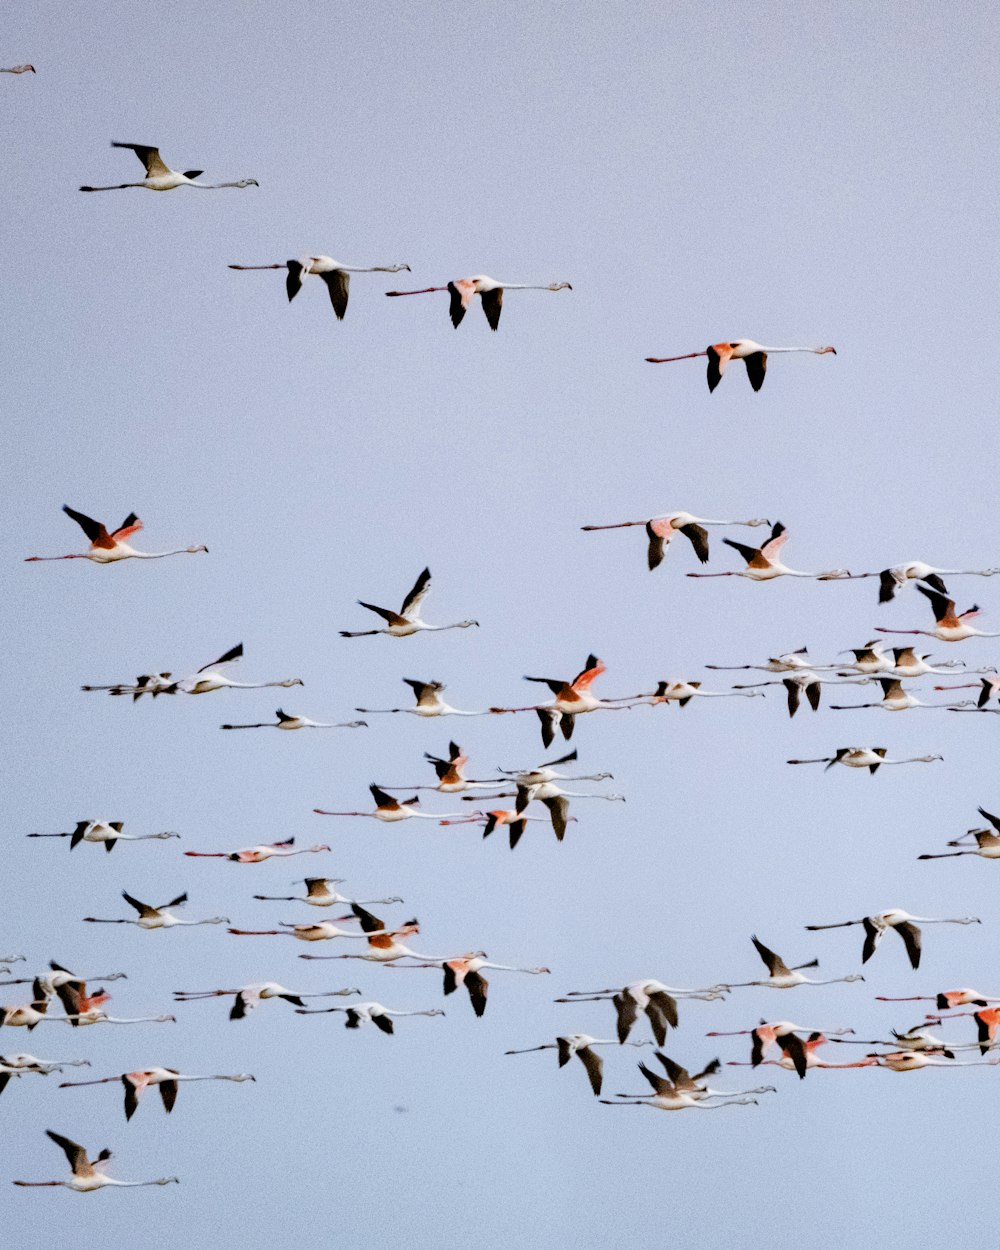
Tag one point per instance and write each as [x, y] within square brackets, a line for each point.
[160, 177]
[103, 832]
[157, 917]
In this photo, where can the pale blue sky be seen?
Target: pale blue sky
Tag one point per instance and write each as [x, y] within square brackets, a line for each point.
[819, 173]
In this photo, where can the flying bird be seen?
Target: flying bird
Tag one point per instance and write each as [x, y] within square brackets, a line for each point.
[257, 854]
[656, 1000]
[428, 702]
[582, 1046]
[206, 680]
[319, 894]
[157, 917]
[167, 1080]
[288, 720]
[895, 578]
[489, 290]
[160, 177]
[110, 547]
[781, 976]
[246, 997]
[104, 832]
[660, 531]
[334, 273]
[877, 925]
[87, 1174]
[407, 620]
[872, 758]
[368, 1013]
[763, 564]
[754, 356]
[949, 625]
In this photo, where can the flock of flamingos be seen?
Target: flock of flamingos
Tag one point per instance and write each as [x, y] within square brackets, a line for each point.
[511, 799]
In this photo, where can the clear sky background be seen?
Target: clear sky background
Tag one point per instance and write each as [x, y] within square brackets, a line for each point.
[807, 174]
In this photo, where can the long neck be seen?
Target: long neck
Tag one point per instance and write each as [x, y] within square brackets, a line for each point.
[159, 555]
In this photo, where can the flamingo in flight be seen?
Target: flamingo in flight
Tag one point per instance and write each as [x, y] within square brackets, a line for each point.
[69, 987]
[368, 1013]
[466, 971]
[32, 1014]
[206, 680]
[656, 1000]
[288, 720]
[572, 698]
[489, 290]
[451, 778]
[784, 1034]
[688, 1084]
[507, 818]
[987, 1023]
[872, 758]
[257, 854]
[110, 547]
[754, 356]
[987, 841]
[810, 1045]
[383, 947]
[87, 1174]
[527, 779]
[947, 1000]
[157, 917]
[660, 531]
[389, 809]
[891, 580]
[895, 699]
[807, 685]
[19, 69]
[782, 977]
[877, 925]
[763, 564]
[334, 273]
[429, 702]
[911, 1060]
[789, 662]
[667, 1097]
[906, 663]
[246, 997]
[556, 800]
[407, 620]
[160, 177]
[167, 1080]
[682, 692]
[949, 625]
[23, 1065]
[582, 1046]
[989, 688]
[319, 894]
[106, 832]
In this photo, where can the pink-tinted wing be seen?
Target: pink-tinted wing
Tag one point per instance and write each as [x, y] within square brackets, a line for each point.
[775, 543]
[281, 846]
[131, 525]
[593, 669]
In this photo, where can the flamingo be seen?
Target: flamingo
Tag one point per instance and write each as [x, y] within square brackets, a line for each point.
[987, 1022]
[288, 720]
[19, 69]
[166, 1079]
[257, 854]
[789, 662]
[782, 977]
[785, 1034]
[466, 971]
[389, 809]
[753, 355]
[872, 758]
[872, 658]
[368, 1013]
[989, 688]
[875, 927]
[31, 1014]
[682, 692]
[489, 290]
[555, 799]
[334, 273]
[895, 699]
[107, 832]
[805, 684]
[110, 547]
[319, 894]
[812, 1060]
[916, 1038]
[157, 917]
[658, 1001]
[318, 931]
[891, 580]
[572, 698]
[667, 1097]
[429, 703]
[204, 681]
[906, 663]
[246, 997]
[526, 778]
[22, 1065]
[582, 1045]
[383, 948]
[500, 818]
[160, 177]
[688, 1084]
[987, 841]
[911, 1060]
[949, 626]
[451, 779]
[87, 1175]
[407, 620]
[947, 999]
[660, 531]
[764, 562]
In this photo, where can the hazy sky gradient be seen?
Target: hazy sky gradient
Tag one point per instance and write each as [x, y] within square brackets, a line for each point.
[811, 174]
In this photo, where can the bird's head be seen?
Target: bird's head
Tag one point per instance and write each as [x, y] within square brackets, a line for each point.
[252, 182]
[195, 550]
